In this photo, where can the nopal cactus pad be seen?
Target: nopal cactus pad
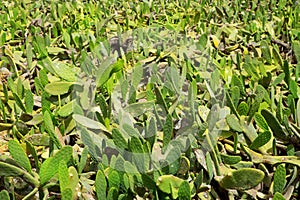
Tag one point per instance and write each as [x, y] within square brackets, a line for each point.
[242, 179]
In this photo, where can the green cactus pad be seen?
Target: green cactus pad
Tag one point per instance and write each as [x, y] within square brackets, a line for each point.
[4, 195]
[184, 192]
[242, 179]
[50, 166]
[169, 184]
[19, 155]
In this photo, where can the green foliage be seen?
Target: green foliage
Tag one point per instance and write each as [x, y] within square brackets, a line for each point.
[262, 139]
[168, 130]
[278, 196]
[274, 124]
[58, 88]
[4, 195]
[170, 184]
[50, 128]
[18, 153]
[63, 175]
[261, 122]
[184, 192]
[149, 99]
[230, 160]
[100, 185]
[67, 194]
[242, 179]
[279, 179]
[49, 166]
[233, 123]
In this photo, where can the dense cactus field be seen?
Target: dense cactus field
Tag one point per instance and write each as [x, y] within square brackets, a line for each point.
[149, 99]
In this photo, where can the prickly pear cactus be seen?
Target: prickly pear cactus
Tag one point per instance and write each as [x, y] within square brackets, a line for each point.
[173, 185]
[242, 179]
